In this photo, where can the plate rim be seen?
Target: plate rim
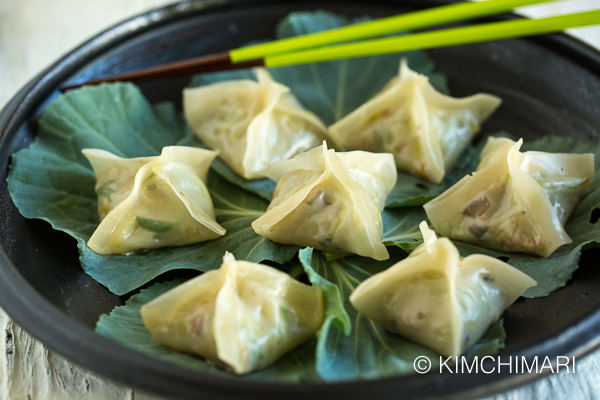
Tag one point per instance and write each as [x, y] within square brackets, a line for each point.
[70, 338]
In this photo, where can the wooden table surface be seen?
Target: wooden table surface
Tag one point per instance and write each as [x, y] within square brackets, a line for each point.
[34, 33]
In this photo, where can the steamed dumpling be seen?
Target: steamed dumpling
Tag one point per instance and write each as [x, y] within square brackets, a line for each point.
[253, 124]
[151, 202]
[439, 300]
[330, 201]
[244, 315]
[425, 130]
[515, 202]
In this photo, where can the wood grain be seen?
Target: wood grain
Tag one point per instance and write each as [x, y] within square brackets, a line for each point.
[33, 33]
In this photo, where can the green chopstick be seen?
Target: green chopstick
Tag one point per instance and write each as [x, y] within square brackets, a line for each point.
[440, 38]
[414, 20]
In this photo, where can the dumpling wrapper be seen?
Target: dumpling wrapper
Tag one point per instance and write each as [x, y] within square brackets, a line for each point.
[425, 130]
[330, 201]
[151, 202]
[253, 124]
[245, 315]
[435, 298]
[514, 202]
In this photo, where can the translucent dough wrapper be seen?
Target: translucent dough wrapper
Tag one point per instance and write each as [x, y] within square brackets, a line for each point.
[244, 315]
[439, 300]
[151, 202]
[253, 124]
[330, 201]
[425, 130]
[514, 202]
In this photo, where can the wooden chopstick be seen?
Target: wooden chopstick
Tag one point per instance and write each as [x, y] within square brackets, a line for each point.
[440, 38]
[252, 56]
[198, 65]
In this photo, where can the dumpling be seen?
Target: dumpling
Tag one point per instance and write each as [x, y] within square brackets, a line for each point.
[330, 201]
[244, 315]
[515, 202]
[425, 130]
[439, 300]
[253, 124]
[151, 202]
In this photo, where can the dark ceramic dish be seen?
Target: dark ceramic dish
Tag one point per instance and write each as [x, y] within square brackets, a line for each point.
[550, 85]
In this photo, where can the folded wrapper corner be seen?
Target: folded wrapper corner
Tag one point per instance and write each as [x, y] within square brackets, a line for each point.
[253, 124]
[435, 298]
[514, 202]
[151, 202]
[330, 201]
[425, 130]
[244, 315]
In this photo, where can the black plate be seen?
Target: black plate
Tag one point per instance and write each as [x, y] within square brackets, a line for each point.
[550, 85]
